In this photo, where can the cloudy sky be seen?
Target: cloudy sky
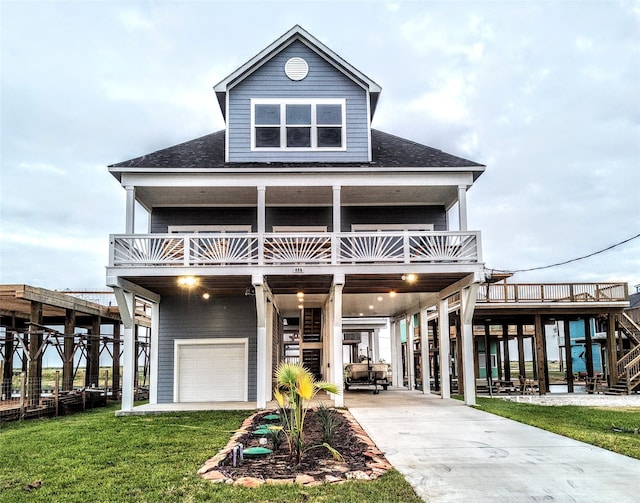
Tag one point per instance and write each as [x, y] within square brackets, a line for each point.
[546, 94]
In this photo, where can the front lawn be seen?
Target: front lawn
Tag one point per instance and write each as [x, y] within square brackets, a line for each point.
[97, 457]
[592, 425]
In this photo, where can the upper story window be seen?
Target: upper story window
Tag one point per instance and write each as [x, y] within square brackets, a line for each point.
[300, 124]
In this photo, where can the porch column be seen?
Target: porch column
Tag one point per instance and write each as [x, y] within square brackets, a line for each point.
[468, 298]
[462, 207]
[567, 355]
[411, 371]
[261, 362]
[396, 354]
[68, 349]
[34, 376]
[126, 305]
[130, 211]
[115, 361]
[541, 357]
[424, 349]
[375, 345]
[612, 356]
[337, 224]
[262, 218]
[153, 353]
[443, 335]
[337, 372]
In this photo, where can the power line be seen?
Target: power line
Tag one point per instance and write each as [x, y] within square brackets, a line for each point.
[569, 261]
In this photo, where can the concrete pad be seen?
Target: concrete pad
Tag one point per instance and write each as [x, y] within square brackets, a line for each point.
[450, 452]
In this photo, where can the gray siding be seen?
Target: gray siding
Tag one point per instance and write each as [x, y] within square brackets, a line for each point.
[435, 215]
[190, 317]
[323, 81]
[299, 216]
[162, 218]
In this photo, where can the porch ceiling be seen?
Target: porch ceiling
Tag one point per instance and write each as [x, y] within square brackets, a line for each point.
[363, 295]
[294, 196]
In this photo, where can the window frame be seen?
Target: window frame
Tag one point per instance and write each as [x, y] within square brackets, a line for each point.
[314, 127]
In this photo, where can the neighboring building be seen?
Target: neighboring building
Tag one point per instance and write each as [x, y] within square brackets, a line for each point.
[297, 211]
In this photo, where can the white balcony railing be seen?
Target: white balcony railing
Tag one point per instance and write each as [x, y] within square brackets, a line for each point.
[209, 249]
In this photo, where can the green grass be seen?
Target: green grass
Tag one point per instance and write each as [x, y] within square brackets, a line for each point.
[97, 457]
[592, 425]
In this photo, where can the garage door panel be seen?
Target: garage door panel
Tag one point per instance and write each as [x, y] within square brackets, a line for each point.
[211, 371]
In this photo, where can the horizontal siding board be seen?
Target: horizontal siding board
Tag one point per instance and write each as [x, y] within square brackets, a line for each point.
[162, 218]
[323, 81]
[435, 215]
[189, 317]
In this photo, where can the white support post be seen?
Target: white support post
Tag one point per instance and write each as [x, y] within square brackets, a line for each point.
[337, 224]
[261, 357]
[396, 355]
[424, 348]
[462, 207]
[130, 210]
[153, 353]
[411, 371]
[126, 306]
[444, 343]
[468, 298]
[376, 345]
[269, 356]
[338, 372]
[262, 211]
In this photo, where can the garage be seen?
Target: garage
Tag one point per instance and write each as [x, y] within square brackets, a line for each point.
[211, 370]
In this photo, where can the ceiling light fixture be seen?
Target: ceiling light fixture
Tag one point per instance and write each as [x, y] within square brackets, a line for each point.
[300, 295]
[393, 293]
[409, 278]
[206, 296]
[187, 281]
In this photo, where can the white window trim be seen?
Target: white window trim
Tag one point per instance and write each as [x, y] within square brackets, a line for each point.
[283, 127]
[196, 229]
[191, 342]
[390, 227]
[299, 228]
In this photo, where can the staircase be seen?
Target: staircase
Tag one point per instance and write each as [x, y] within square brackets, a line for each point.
[629, 364]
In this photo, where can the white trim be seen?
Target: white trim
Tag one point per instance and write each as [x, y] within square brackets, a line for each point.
[391, 227]
[299, 228]
[313, 126]
[209, 341]
[153, 350]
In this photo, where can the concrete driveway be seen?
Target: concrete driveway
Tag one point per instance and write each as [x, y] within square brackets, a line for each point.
[450, 452]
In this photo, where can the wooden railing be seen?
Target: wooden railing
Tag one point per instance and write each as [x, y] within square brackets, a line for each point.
[552, 292]
[628, 360]
[207, 249]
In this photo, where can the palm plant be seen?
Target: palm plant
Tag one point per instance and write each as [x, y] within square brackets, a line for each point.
[296, 386]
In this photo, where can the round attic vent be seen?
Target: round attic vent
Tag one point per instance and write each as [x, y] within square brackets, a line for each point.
[296, 68]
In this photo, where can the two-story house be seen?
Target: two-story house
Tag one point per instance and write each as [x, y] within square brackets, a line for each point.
[297, 210]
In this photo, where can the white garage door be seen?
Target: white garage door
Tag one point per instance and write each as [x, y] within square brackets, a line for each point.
[211, 370]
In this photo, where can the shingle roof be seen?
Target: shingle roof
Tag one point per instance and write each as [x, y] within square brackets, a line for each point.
[387, 151]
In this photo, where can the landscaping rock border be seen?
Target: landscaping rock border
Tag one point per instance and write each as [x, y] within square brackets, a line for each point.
[377, 464]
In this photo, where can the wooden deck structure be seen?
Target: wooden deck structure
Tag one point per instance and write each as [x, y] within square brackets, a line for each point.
[28, 320]
[508, 311]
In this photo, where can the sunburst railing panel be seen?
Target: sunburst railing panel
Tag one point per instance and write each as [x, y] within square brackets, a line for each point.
[311, 248]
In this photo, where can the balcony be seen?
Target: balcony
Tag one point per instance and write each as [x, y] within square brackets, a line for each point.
[514, 293]
[293, 249]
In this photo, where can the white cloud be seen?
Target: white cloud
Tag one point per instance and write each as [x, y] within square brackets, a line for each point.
[134, 20]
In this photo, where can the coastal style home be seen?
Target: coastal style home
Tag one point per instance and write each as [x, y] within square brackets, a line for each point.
[297, 214]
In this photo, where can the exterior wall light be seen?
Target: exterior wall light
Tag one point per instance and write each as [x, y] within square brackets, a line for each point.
[392, 293]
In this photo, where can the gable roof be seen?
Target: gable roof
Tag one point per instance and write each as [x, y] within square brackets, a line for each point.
[296, 33]
[388, 151]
